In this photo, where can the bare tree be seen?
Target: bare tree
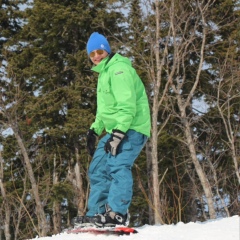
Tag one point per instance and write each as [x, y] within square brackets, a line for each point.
[170, 52]
[174, 32]
[75, 176]
[56, 204]
[21, 208]
[169, 38]
[39, 207]
[5, 209]
[228, 95]
[181, 50]
[9, 114]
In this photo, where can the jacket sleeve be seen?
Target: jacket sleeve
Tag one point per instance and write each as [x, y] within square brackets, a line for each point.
[123, 90]
[97, 125]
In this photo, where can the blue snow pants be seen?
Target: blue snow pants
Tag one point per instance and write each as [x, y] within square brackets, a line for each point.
[110, 176]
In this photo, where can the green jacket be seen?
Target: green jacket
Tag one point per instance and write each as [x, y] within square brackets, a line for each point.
[121, 98]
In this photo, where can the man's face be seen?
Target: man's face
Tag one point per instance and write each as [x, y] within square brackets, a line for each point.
[97, 56]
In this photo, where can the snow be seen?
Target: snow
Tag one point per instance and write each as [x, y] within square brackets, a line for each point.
[220, 229]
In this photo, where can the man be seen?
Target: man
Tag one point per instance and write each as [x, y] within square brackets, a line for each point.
[123, 112]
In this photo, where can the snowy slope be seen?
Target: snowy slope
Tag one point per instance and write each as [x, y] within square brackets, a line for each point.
[221, 229]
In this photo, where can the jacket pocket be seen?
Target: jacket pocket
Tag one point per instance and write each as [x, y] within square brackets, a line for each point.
[107, 96]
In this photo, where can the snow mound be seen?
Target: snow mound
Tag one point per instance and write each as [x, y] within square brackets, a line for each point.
[220, 229]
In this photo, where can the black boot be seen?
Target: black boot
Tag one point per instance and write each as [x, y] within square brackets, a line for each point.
[111, 219]
[86, 221]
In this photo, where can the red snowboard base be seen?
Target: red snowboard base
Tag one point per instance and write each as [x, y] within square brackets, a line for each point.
[105, 231]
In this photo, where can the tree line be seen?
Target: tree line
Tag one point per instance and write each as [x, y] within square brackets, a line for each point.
[187, 54]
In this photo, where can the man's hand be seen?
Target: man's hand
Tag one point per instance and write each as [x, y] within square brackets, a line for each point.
[113, 142]
[91, 141]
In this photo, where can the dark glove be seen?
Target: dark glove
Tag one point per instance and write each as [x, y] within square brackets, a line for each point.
[91, 141]
[113, 142]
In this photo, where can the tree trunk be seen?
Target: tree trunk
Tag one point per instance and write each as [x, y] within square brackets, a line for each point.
[39, 208]
[56, 204]
[153, 159]
[154, 170]
[20, 209]
[231, 132]
[5, 204]
[7, 222]
[202, 176]
[56, 218]
[150, 184]
[79, 183]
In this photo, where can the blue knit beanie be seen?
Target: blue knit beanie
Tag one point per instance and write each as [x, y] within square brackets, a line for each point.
[97, 41]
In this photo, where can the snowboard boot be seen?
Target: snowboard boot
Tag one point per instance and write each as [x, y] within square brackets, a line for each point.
[86, 221]
[112, 219]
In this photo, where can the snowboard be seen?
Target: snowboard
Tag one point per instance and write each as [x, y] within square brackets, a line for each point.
[106, 231]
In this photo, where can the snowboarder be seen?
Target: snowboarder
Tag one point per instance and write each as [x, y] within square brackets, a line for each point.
[123, 112]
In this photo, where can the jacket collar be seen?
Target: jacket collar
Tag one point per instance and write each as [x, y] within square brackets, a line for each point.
[101, 66]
